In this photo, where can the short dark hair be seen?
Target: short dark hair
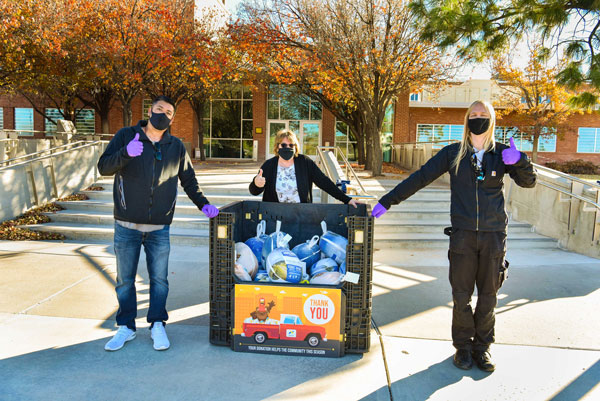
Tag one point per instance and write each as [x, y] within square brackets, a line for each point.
[164, 99]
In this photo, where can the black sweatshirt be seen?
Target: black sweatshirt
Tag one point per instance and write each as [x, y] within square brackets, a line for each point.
[307, 173]
[145, 189]
[474, 205]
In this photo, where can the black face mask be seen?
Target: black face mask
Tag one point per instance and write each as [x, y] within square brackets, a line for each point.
[478, 125]
[286, 153]
[160, 121]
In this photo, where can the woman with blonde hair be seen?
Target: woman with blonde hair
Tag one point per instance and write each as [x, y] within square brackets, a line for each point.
[289, 176]
[478, 234]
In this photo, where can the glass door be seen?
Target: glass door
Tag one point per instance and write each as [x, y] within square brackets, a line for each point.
[308, 133]
[310, 138]
[274, 128]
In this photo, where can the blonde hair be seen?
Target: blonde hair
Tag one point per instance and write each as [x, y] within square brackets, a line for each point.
[489, 142]
[286, 134]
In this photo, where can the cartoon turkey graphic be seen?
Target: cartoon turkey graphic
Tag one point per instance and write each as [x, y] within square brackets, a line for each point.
[262, 312]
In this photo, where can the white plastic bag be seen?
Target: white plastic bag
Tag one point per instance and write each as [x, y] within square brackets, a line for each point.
[245, 258]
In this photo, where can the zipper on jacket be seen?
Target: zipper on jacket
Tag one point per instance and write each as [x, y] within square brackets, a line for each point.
[477, 203]
[152, 190]
[122, 192]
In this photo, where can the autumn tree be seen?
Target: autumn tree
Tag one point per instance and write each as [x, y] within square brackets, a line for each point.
[38, 59]
[355, 56]
[483, 27]
[533, 99]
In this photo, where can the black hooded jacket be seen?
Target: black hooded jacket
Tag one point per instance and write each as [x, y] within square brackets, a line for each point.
[474, 205]
[145, 189]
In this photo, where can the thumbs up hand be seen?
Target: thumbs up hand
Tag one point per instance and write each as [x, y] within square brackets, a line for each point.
[259, 180]
[512, 154]
[135, 147]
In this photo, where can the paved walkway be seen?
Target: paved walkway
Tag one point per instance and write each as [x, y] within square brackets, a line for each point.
[57, 309]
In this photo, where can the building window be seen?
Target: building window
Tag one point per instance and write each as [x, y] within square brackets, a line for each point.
[24, 121]
[146, 104]
[1, 118]
[387, 133]
[228, 124]
[345, 140]
[285, 104]
[588, 140]
[546, 143]
[415, 97]
[85, 121]
[439, 132]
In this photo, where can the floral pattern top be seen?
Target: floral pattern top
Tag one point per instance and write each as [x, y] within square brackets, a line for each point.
[286, 186]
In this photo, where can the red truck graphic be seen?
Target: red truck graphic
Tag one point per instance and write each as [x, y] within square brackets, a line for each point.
[289, 328]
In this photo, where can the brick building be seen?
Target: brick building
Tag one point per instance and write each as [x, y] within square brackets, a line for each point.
[240, 116]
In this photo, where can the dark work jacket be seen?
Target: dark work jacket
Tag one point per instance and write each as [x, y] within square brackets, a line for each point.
[474, 205]
[307, 173]
[145, 189]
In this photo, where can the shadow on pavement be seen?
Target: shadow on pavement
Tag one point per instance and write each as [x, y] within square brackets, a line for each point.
[422, 385]
[582, 385]
[191, 369]
[527, 285]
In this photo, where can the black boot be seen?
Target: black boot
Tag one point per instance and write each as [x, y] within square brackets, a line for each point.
[483, 359]
[462, 359]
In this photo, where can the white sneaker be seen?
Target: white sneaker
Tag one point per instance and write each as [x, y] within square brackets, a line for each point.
[159, 335]
[122, 335]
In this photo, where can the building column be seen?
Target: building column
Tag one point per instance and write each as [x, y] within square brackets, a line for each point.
[401, 119]
[328, 128]
[259, 120]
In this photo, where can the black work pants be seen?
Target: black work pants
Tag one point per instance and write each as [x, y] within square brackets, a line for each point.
[476, 258]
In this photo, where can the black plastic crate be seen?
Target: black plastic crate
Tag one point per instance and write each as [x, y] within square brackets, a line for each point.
[237, 222]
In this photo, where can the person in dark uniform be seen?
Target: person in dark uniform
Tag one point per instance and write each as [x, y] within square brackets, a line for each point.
[478, 235]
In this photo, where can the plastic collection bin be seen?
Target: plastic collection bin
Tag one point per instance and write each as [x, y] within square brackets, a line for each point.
[237, 222]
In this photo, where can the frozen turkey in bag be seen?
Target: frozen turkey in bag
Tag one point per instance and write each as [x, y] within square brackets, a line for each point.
[328, 278]
[277, 239]
[308, 252]
[257, 243]
[333, 245]
[283, 266]
[324, 265]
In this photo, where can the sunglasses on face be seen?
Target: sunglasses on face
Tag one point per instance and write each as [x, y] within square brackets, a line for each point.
[286, 145]
[157, 152]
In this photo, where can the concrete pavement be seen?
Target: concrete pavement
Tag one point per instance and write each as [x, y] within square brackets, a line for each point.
[57, 307]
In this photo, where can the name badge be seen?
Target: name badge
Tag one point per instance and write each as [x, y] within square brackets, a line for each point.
[493, 173]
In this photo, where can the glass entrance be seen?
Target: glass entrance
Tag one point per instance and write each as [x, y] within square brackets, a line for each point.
[308, 133]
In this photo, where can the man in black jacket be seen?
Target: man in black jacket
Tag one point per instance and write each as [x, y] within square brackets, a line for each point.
[147, 162]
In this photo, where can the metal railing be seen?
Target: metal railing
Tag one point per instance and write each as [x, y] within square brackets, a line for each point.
[41, 152]
[350, 174]
[571, 193]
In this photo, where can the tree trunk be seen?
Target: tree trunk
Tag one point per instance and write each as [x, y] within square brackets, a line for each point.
[534, 151]
[360, 149]
[127, 114]
[198, 107]
[376, 152]
[104, 121]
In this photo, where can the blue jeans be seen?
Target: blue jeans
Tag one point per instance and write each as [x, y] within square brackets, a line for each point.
[128, 244]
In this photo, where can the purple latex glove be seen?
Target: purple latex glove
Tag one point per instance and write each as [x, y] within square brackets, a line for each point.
[512, 154]
[135, 147]
[379, 210]
[210, 211]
